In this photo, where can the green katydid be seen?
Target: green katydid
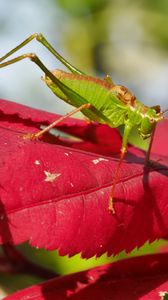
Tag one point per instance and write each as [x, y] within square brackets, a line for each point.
[98, 99]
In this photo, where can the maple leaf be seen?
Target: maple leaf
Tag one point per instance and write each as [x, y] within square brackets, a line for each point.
[56, 196]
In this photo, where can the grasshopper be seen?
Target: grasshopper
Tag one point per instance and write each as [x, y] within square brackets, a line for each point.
[99, 100]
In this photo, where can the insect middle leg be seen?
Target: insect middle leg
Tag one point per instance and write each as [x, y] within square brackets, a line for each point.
[52, 125]
[123, 151]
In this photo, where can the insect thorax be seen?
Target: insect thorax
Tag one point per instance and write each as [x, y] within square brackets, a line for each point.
[141, 116]
[126, 96]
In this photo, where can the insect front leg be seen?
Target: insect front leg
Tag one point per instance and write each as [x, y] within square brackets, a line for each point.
[147, 158]
[123, 151]
[162, 117]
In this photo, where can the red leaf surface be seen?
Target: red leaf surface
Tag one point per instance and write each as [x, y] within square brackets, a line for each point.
[160, 145]
[140, 278]
[56, 196]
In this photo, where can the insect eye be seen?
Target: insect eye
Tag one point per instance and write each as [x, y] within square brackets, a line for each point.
[152, 120]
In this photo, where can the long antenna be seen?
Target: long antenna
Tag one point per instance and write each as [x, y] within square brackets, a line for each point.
[165, 111]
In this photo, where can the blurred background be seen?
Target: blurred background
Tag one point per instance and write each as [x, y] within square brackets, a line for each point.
[124, 38]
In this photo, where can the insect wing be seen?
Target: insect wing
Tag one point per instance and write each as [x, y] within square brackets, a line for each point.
[79, 90]
[115, 110]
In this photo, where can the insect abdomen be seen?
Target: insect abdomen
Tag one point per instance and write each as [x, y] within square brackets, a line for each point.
[96, 92]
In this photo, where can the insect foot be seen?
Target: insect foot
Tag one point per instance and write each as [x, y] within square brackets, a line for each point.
[111, 206]
[30, 136]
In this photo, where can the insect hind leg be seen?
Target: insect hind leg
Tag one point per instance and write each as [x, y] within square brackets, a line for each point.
[40, 38]
[33, 57]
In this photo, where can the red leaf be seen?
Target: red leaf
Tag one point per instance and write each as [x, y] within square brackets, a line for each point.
[140, 278]
[56, 196]
[160, 145]
[97, 137]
